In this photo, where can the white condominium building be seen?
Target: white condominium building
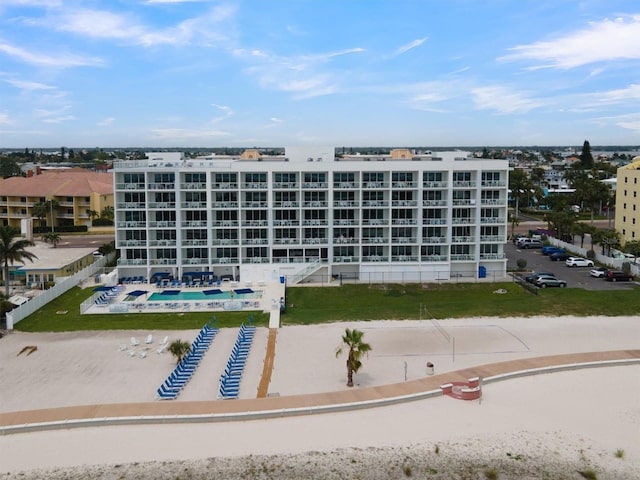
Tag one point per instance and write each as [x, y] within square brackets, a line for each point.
[310, 215]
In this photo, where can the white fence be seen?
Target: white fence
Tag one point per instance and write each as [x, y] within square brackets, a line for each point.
[26, 309]
[613, 263]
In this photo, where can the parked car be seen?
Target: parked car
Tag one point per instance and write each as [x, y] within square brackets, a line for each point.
[551, 249]
[578, 262]
[545, 281]
[518, 239]
[599, 272]
[531, 244]
[559, 256]
[532, 277]
[617, 276]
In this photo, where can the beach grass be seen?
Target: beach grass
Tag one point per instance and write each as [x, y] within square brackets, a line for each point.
[353, 302]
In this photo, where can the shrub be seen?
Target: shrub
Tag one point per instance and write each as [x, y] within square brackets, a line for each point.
[521, 263]
[591, 254]
[626, 268]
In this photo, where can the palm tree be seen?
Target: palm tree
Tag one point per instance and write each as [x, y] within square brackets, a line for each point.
[107, 212]
[352, 339]
[13, 248]
[514, 221]
[43, 209]
[179, 349]
[52, 237]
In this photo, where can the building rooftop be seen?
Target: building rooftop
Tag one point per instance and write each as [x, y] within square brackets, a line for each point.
[50, 258]
[59, 183]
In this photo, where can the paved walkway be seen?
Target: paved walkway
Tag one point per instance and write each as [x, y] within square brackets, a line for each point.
[242, 409]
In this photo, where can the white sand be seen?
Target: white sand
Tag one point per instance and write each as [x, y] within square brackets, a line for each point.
[576, 420]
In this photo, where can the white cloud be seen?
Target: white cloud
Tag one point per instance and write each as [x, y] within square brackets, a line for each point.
[606, 40]
[64, 118]
[632, 92]
[503, 100]
[105, 122]
[32, 3]
[108, 25]
[30, 86]
[304, 76]
[409, 46]
[60, 60]
[223, 108]
[4, 119]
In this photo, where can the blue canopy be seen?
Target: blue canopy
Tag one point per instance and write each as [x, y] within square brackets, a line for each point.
[215, 291]
[170, 292]
[137, 293]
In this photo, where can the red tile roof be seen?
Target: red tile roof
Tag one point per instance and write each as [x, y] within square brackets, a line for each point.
[62, 183]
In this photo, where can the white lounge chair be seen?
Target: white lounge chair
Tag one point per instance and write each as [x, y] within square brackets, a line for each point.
[165, 340]
[143, 354]
[134, 342]
[132, 353]
[149, 339]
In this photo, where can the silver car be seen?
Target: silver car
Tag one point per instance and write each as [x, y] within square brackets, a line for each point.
[544, 281]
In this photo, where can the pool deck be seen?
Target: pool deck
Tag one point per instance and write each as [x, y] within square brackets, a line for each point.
[268, 300]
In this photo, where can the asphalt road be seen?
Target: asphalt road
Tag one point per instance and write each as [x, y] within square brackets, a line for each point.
[85, 241]
[576, 277]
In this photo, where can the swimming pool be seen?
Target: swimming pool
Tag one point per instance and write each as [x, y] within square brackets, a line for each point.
[179, 295]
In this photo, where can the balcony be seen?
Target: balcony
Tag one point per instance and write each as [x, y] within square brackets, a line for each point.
[345, 185]
[162, 205]
[315, 222]
[463, 183]
[462, 256]
[314, 241]
[132, 224]
[462, 221]
[132, 243]
[256, 260]
[375, 258]
[345, 203]
[376, 221]
[163, 261]
[195, 261]
[286, 204]
[404, 258]
[434, 184]
[286, 241]
[404, 203]
[255, 204]
[492, 201]
[345, 240]
[434, 221]
[433, 240]
[225, 223]
[132, 261]
[494, 183]
[314, 185]
[190, 205]
[255, 186]
[130, 186]
[193, 186]
[255, 241]
[224, 260]
[464, 201]
[371, 185]
[492, 220]
[131, 205]
[404, 184]
[375, 203]
[434, 203]
[433, 258]
[403, 221]
[285, 185]
[162, 243]
[343, 221]
[461, 239]
[375, 240]
[224, 186]
[315, 204]
[492, 238]
[492, 256]
[162, 186]
[255, 223]
[224, 241]
[286, 223]
[194, 243]
[222, 205]
[345, 259]
[403, 240]
[187, 223]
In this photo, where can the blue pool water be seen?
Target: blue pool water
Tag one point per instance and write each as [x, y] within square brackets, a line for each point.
[199, 296]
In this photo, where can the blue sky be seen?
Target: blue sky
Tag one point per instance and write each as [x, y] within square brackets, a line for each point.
[116, 73]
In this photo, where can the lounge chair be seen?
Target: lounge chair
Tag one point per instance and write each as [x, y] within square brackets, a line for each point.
[165, 340]
[149, 339]
[134, 342]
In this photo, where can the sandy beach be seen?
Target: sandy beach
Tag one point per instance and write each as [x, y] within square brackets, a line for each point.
[557, 423]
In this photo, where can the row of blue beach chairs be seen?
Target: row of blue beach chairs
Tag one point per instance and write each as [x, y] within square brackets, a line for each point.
[130, 280]
[107, 296]
[176, 381]
[230, 379]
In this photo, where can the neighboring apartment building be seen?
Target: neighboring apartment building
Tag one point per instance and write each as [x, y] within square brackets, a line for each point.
[628, 201]
[77, 192]
[310, 214]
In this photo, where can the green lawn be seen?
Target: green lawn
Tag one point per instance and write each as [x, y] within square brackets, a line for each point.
[307, 306]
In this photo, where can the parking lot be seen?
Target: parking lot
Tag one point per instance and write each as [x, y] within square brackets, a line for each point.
[576, 277]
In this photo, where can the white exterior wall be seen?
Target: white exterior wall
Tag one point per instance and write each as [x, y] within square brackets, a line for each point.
[179, 215]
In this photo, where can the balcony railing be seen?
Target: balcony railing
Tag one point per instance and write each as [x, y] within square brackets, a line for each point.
[162, 205]
[433, 240]
[255, 186]
[462, 256]
[461, 239]
[162, 186]
[285, 185]
[163, 261]
[492, 220]
[162, 243]
[375, 258]
[314, 241]
[255, 241]
[316, 204]
[434, 203]
[345, 259]
[224, 186]
[345, 185]
[131, 205]
[129, 186]
[404, 184]
[494, 183]
[197, 205]
[375, 240]
[433, 258]
[434, 221]
[492, 256]
[463, 183]
[225, 260]
[404, 258]
[193, 186]
[404, 221]
[403, 240]
[462, 221]
[345, 203]
[314, 185]
[434, 184]
[132, 261]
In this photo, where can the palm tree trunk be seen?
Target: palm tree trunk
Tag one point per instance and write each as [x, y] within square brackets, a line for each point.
[349, 374]
[5, 272]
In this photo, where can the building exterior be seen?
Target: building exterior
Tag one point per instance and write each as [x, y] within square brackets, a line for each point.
[309, 214]
[627, 221]
[77, 194]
